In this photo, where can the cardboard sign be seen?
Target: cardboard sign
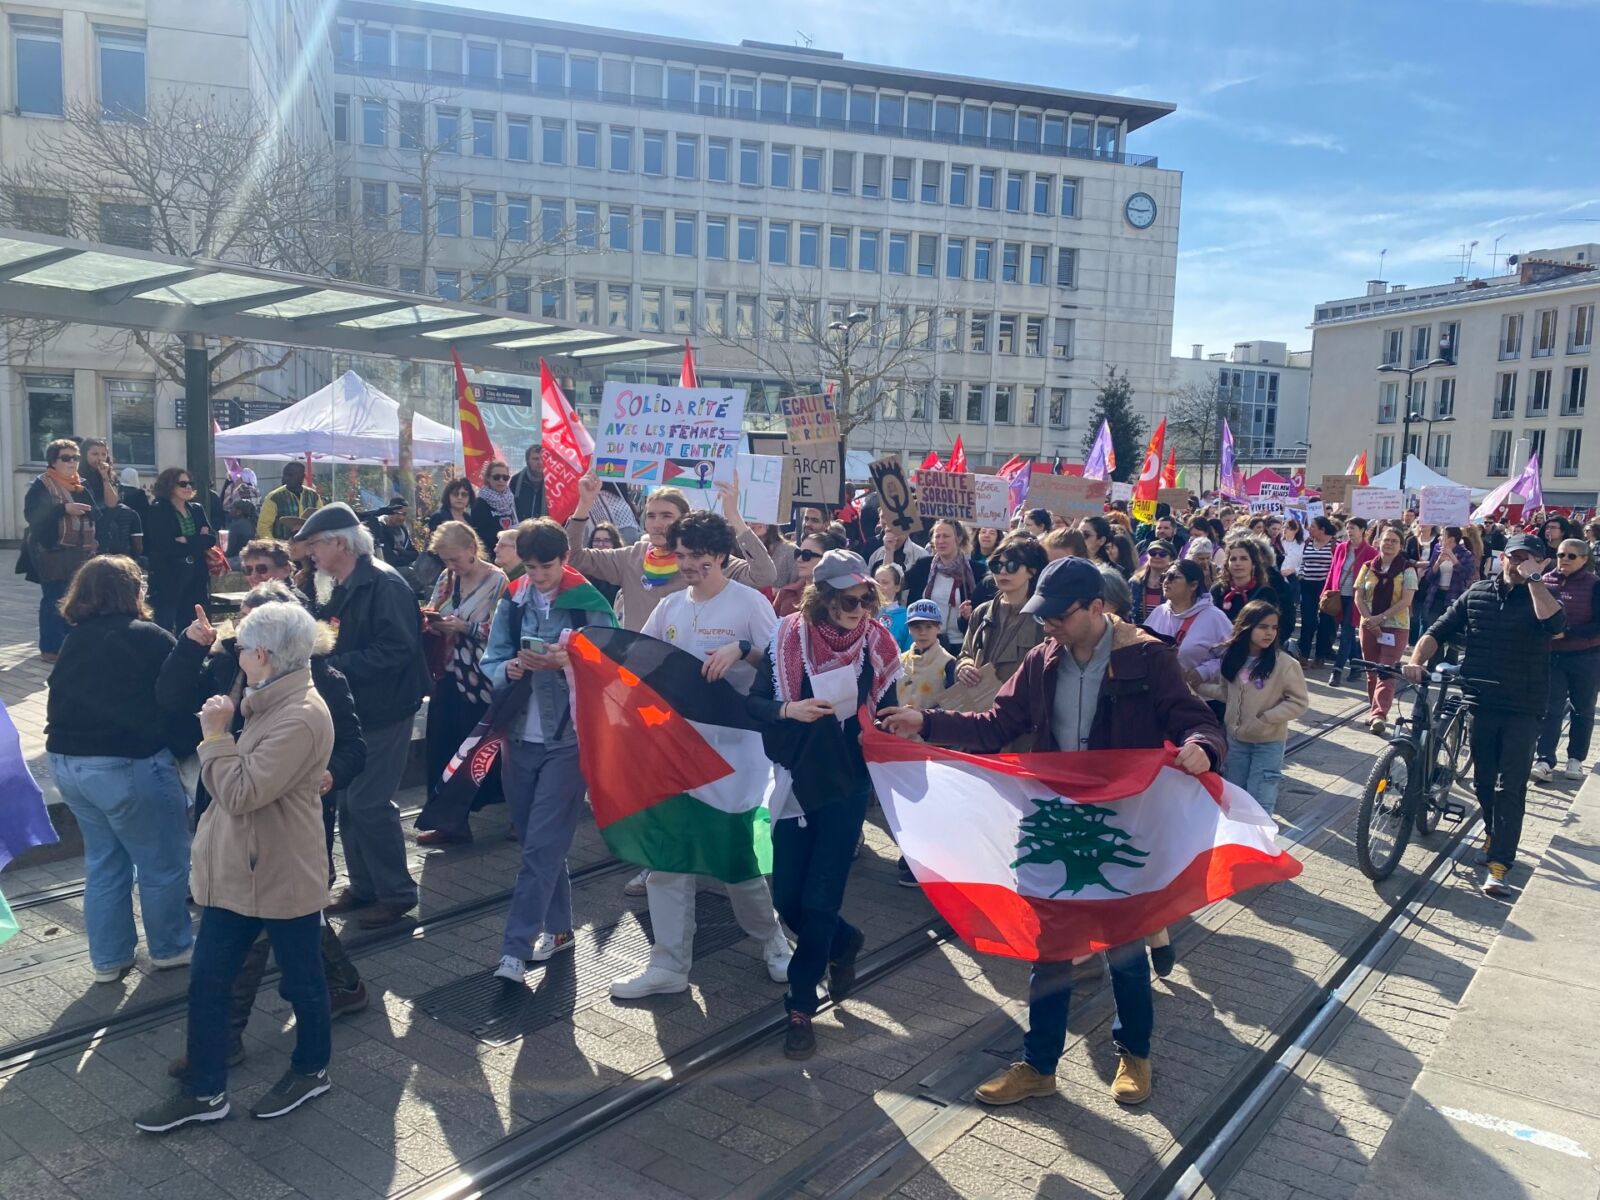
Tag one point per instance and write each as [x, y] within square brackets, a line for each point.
[761, 487]
[977, 499]
[1314, 509]
[810, 418]
[1274, 489]
[897, 506]
[1445, 506]
[812, 475]
[1067, 496]
[687, 438]
[1121, 491]
[1377, 504]
[1335, 489]
[1177, 499]
[1266, 506]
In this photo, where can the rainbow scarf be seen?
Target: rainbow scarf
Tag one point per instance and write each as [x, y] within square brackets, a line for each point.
[660, 567]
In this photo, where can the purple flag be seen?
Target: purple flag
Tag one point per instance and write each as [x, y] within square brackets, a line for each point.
[24, 821]
[1230, 484]
[1526, 485]
[1100, 454]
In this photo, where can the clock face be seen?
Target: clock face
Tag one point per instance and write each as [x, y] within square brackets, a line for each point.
[1140, 210]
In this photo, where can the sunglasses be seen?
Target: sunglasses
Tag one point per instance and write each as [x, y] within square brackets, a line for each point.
[1007, 566]
[66, 458]
[184, 483]
[849, 603]
[1157, 554]
[806, 555]
[498, 478]
[1172, 577]
[256, 569]
[1570, 556]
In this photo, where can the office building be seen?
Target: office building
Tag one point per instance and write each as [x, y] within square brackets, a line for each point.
[1263, 388]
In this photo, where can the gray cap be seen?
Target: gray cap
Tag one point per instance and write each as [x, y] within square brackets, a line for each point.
[840, 569]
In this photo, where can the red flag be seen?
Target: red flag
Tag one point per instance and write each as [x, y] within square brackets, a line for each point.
[687, 376]
[931, 463]
[565, 450]
[1150, 475]
[1358, 468]
[1169, 473]
[958, 459]
[476, 447]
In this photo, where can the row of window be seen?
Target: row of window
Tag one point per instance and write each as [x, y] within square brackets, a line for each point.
[130, 416]
[1436, 452]
[38, 88]
[1541, 391]
[802, 101]
[1542, 334]
[714, 159]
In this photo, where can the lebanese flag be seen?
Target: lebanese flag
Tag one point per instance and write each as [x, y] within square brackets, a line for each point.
[678, 778]
[1049, 857]
[476, 446]
[565, 447]
[687, 376]
[957, 465]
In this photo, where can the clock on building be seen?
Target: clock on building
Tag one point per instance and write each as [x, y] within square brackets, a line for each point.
[1140, 210]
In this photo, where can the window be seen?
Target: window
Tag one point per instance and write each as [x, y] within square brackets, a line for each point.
[410, 210]
[621, 148]
[862, 106]
[36, 55]
[1043, 185]
[949, 330]
[555, 142]
[1105, 139]
[744, 316]
[446, 212]
[1500, 452]
[1011, 262]
[932, 173]
[843, 172]
[588, 146]
[617, 298]
[1544, 333]
[1449, 340]
[717, 237]
[986, 185]
[374, 46]
[1438, 456]
[749, 238]
[687, 156]
[715, 318]
[872, 176]
[647, 80]
[867, 250]
[1005, 339]
[1038, 264]
[373, 128]
[947, 401]
[810, 245]
[585, 76]
[1066, 267]
[374, 209]
[974, 410]
[811, 171]
[411, 279]
[955, 258]
[1444, 404]
[838, 248]
[652, 231]
[1535, 442]
[655, 153]
[551, 301]
[483, 125]
[1421, 344]
[341, 118]
[1384, 452]
[1014, 191]
[586, 228]
[447, 130]
[1030, 404]
[782, 161]
[585, 302]
[619, 221]
[481, 62]
[958, 185]
[682, 312]
[51, 214]
[900, 181]
[978, 334]
[121, 78]
[1510, 336]
[1069, 197]
[1505, 395]
[50, 415]
[1061, 343]
[1388, 403]
[480, 288]
[1060, 407]
[447, 54]
[1392, 341]
[1569, 446]
[552, 218]
[1580, 329]
[1033, 337]
[1002, 404]
[1079, 134]
[650, 310]
[982, 258]
[778, 243]
[717, 151]
[1577, 392]
[742, 93]
[483, 204]
[750, 163]
[900, 253]
[615, 76]
[447, 285]
[1539, 388]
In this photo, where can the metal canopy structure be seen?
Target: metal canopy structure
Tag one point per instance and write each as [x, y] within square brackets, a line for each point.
[56, 279]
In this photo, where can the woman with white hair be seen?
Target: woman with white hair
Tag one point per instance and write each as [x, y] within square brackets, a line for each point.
[258, 863]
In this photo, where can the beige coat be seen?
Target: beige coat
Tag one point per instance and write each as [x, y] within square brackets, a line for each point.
[1261, 714]
[259, 850]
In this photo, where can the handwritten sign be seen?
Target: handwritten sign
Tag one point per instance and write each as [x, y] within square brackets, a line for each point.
[810, 418]
[1314, 509]
[1445, 506]
[687, 438]
[980, 499]
[1266, 506]
[898, 507]
[1066, 495]
[1336, 488]
[1121, 491]
[812, 474]
[1376, 504]
[1274, 489]
[1176, 499]
[761, 487]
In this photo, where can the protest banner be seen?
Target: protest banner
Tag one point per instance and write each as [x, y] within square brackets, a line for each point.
[1121, 491]
[812, 474]
[810, 419]
[761, 488]
[1274, 489]
[1445, 506]
[1335, 489]
[898, 507]
[1177, 499]
[1377, 504]
[688, 438]
[1067, 496]
[977, 499]
[1267, 506]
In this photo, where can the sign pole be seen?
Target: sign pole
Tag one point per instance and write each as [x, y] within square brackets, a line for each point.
[197, 416]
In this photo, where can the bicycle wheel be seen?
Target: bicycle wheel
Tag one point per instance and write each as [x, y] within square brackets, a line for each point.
[1450, 749]
[1383, 819]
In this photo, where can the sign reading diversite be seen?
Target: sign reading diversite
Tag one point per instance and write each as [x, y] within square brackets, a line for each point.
[686, 438]
[980, 499]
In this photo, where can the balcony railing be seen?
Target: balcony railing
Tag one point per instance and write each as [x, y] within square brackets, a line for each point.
[520, 86]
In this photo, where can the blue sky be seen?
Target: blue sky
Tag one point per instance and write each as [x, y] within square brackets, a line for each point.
[1311, 136]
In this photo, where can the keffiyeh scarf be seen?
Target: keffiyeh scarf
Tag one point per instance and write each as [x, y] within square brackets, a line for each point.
[828, 648]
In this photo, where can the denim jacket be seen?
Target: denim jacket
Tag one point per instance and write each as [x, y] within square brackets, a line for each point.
[547, 689]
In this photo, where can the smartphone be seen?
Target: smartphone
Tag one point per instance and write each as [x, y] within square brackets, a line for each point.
[534, 644]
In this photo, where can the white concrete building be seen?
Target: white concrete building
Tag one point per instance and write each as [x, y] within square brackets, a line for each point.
[1521, 345]
[707, 190]
[1267, 386]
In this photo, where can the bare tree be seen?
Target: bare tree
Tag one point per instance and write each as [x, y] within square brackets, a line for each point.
[1194, 419]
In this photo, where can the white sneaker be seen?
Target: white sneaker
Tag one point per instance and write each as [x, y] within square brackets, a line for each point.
[112, 974]
[1542, 770]
[777, 952]
[551, 944]
[652, 981]
[181, 959]
[635, 886]
[1574, 769]
[510, 968]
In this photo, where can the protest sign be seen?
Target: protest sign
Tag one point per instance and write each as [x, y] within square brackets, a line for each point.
[1314, 509]
[1177, 499]
[811, 418]
[1121, 491]
[761, 487]
[979, 499]
[898, 507]
[812, 475]
[1273, 489]
[1376, 504]
[1067, 495]
[688, 438]
[1335, 489]
[1266, 506]
[1445, 506]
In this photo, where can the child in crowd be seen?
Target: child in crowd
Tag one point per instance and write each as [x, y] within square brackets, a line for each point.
[928, 669]
[890, 579]
[1263, 689]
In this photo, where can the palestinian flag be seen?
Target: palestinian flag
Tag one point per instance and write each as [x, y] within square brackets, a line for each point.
[1053, 856]
[478, 753]
[677, 776]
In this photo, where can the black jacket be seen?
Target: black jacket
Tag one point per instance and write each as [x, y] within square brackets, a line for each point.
[379, 647]
[191, 676]
[102, 701]
[177, 569]
[1505, 664]
[399, 547]
[43, 516]
[487, 526]
[529, 496]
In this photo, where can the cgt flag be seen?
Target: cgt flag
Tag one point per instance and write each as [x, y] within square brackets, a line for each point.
[565, 447]
[1144, 492]
[1049, 857]
[476, 447]
[957, 463]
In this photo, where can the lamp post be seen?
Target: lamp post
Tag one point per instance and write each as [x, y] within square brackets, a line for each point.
[845, 329]
[1405, 428]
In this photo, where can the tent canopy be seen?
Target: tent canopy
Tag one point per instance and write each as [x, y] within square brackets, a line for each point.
[349, 421]
[1418, 476]
[1252, 485]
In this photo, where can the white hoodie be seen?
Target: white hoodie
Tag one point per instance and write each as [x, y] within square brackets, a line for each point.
[1207, 631]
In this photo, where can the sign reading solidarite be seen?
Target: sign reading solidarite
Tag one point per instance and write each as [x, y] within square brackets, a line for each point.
[687, 438]
[810, 418]
[982, 499]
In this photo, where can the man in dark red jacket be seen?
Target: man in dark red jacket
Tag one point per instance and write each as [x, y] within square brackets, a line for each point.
[1096, 683]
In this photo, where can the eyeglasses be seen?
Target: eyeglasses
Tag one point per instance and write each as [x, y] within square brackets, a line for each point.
[1172, 577]
[849, 603]
[806, 555]
[256, 569]
[498, 478]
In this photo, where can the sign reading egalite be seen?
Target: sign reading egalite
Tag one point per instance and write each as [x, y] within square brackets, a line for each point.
[898, 505]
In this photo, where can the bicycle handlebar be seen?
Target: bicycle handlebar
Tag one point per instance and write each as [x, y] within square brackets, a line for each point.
[1437, 674]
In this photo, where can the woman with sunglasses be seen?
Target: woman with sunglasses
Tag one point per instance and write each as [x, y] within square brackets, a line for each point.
[1000, 634]
[1188, 616]
[176, 538]
[1574, 661]
[1146, 583]
[455, 504]
[495, 507]
[60, 538]
[812, 547]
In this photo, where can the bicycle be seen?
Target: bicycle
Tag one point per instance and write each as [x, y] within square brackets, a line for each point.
[1409, 787]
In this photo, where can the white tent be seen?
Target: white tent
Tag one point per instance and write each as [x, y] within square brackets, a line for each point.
[349, 421]
[1418, 476]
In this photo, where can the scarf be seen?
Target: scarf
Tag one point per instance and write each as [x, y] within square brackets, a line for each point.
[1383, 586]
[502, 504]
[185, 520]
[829, 648]
[660, 567]
[74, 531]
[960, 576]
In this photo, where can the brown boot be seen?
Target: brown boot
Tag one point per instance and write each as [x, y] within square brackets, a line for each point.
[1132, 1084]
[377, 916]
[1018, 1082]
[346, 900]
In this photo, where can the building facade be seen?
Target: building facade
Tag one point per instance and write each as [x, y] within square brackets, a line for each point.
[1002, 242]
[1267, 390]
[1517, 384]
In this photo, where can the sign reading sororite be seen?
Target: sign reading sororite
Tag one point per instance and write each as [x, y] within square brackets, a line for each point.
[684, 437]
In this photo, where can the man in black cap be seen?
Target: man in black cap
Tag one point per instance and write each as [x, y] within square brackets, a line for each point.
[1503, 626]
[379, 650]
[1058, 696]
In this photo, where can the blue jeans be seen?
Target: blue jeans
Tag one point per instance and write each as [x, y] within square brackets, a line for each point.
[219, 953]
[1050, 998]
[1349, 640]
[134, 818]
[52, 625]
[1574, 677]
[544, 791]
[1257, 767]
[811, 859]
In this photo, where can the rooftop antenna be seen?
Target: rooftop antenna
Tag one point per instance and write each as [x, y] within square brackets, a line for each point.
[805, 39]
[1382, 254]
[1467, 270]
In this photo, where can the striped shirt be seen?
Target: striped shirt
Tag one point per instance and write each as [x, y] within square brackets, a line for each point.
[1316, 562]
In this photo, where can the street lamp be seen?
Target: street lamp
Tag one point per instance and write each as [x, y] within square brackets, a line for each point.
[1405, 429]
[844, 329]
